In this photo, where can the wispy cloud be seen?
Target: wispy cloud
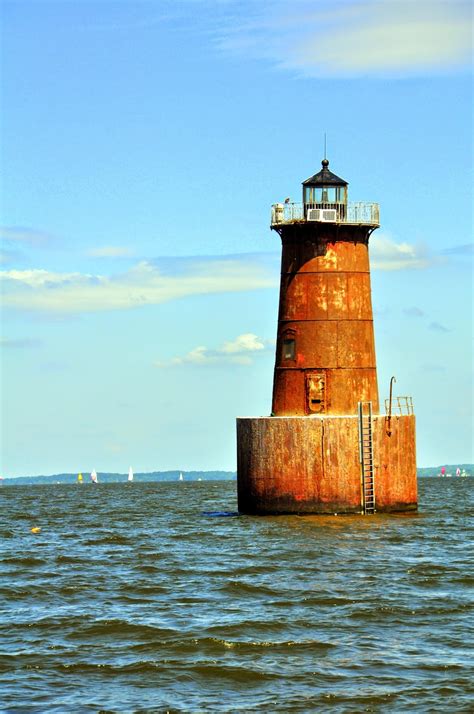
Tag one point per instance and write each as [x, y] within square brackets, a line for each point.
[163, 280]
[465, 250]
[144, 284]
[16, 240]
[19, 343]
[438, 327]
[386, 254]
[413, 311]
[9, 256]
[237, 351]
[432, 367]
[360, 37]
[25, 236]
[110, 251]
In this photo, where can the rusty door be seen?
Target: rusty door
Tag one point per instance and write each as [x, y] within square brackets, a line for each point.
[315, 392]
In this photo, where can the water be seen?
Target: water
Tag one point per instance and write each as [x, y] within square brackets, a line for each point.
[131, 600]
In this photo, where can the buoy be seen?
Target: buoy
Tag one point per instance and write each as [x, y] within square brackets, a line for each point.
[36, 529]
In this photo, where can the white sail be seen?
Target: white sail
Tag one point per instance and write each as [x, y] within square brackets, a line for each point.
[94, 478]
[181, 478]
[130, 474]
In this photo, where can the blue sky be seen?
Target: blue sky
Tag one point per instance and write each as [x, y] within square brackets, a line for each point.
[143, 144]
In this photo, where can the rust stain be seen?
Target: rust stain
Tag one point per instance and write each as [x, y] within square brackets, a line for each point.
[305, 458]
[325, 300]
[311, 465]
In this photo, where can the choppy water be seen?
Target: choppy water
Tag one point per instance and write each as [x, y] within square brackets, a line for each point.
[131, 600]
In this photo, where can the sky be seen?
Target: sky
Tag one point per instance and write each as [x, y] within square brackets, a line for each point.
[143, 144]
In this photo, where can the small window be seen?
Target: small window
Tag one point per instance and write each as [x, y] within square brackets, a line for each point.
[288, 349]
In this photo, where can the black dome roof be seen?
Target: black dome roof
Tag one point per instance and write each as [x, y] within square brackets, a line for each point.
[325, 177]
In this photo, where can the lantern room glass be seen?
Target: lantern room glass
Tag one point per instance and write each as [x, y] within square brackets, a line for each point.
[325, 194]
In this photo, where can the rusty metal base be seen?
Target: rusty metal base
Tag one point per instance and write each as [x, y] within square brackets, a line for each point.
[311, 465]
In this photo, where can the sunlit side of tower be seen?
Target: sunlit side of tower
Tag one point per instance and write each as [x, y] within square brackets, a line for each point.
[325, 448]
[325, 357]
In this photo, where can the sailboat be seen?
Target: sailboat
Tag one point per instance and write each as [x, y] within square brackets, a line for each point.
[181, 477]
[94, 478]
[79, 478]
[130, 474]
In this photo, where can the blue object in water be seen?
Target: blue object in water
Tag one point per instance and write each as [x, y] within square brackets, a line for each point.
[220, 514]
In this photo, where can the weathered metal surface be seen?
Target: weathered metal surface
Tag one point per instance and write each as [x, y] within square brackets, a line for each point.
[305, 458]
[395, 454]
[311, 465]
[326, 312]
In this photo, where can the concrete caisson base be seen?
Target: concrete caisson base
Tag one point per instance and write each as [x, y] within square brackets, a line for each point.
[310, 464]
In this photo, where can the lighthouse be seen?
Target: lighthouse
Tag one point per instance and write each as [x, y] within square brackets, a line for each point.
[327, 447]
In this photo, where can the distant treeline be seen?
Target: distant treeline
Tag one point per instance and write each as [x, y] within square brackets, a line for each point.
[450, 469]
[152, 476]
[155, 476]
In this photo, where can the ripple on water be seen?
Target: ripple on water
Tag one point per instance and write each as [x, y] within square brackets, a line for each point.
[132, 600]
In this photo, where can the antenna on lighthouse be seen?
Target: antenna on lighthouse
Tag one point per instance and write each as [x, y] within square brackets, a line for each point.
[325, 153]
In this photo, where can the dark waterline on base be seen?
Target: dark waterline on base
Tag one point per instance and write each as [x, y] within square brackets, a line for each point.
[144, 598]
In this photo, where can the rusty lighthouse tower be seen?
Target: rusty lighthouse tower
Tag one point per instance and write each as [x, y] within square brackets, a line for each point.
[326, 448]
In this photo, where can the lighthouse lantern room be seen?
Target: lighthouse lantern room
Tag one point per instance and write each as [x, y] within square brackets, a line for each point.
[324, 192]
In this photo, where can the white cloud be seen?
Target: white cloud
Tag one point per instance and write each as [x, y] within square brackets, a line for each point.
[385, 254]
[150, 283]
[144, 284]
[362, 37]
[247, 342]
[231, 352]
[110, 251]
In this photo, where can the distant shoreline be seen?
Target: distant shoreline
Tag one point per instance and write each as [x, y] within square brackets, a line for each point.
[194, 476]
[145, 477]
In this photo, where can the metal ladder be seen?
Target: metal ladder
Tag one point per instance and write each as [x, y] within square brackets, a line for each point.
[366, 457]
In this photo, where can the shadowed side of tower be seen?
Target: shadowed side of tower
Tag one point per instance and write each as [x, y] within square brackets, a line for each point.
[325, 448]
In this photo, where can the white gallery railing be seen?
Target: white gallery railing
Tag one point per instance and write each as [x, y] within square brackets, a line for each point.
[353, 212]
